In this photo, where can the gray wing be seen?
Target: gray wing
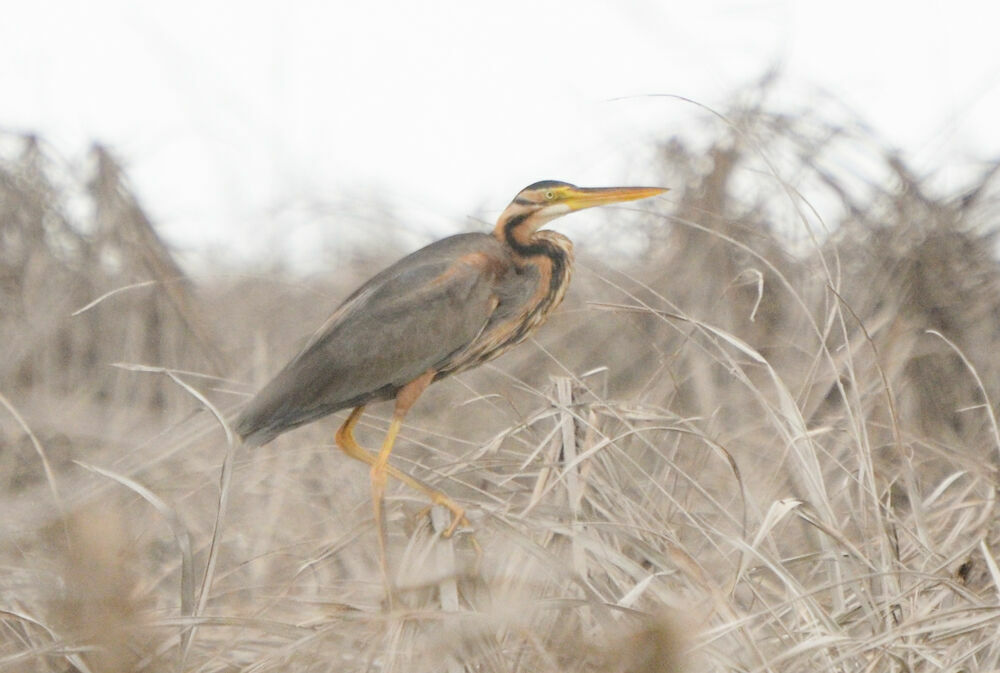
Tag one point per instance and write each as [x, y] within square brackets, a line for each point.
[403, 322]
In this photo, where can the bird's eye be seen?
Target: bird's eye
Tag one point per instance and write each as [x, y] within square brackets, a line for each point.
[549, 195]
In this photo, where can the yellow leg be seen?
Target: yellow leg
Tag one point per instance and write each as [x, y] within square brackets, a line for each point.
[380, 464]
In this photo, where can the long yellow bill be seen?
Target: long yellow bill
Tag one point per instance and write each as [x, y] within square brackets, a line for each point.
[579, 198]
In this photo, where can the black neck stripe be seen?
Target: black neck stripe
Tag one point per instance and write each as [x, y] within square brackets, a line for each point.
[524, 250]
[508, 231]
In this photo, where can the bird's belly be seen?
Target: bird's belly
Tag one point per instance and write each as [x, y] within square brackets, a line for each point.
[494, 342]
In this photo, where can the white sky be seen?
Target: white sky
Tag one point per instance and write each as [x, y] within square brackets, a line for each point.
[245, 123]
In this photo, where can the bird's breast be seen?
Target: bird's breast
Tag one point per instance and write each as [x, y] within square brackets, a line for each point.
[526, 297]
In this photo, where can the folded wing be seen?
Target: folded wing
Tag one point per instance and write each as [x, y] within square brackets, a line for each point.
[403, 322]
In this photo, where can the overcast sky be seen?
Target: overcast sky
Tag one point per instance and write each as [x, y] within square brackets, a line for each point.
[240, 120]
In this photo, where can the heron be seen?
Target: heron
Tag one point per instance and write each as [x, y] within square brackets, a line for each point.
[448, 307]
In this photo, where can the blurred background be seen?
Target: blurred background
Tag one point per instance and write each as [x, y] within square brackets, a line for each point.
[760, 434]
[280, 128]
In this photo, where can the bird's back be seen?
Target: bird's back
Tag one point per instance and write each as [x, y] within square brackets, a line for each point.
[406, 320]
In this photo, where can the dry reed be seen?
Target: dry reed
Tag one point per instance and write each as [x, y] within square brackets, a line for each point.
[767, 444]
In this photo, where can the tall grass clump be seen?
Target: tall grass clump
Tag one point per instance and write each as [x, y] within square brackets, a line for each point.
[766, 443]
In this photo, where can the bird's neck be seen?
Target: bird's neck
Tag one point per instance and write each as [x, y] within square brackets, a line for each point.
[549, 252]
[518, 230]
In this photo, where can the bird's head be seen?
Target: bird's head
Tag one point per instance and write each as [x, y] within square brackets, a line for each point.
[542, 202]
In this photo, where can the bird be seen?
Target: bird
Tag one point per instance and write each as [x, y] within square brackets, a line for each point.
[445, 308]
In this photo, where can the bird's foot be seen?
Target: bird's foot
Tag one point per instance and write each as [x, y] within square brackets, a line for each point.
[458, 517]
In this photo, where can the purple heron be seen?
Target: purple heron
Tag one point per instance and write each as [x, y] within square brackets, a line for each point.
[452, 305]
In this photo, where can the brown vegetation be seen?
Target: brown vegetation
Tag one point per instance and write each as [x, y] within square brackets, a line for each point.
[769, 441]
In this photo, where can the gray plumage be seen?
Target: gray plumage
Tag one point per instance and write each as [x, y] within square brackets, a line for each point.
[454, 304]
[375, 342]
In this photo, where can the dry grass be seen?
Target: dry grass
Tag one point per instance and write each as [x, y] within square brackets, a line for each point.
[769, 444]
